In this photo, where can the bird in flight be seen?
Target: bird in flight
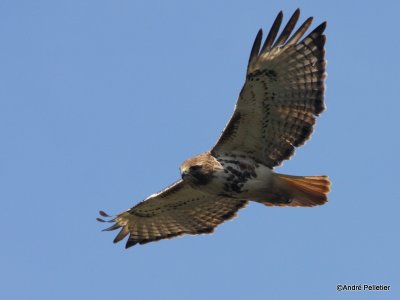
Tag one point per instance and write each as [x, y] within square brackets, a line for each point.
[276, 111]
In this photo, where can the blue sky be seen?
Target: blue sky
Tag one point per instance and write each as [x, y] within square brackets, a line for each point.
[100, 102]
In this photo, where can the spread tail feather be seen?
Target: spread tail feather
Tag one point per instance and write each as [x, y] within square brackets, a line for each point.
[305, 190]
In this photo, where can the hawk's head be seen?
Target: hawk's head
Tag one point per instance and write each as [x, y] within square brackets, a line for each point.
[199, 170]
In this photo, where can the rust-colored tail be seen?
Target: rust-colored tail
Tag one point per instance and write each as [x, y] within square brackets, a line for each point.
[306, 190]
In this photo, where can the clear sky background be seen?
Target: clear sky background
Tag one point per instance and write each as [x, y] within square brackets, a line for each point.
[100, 102]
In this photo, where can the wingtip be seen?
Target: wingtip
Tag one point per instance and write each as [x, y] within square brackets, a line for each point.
[113, 227]
[256, 46]
[279, 17]
[321, 27]
[259, 38]
[121, 235]
[130, 243]
[272, 32]
[104, 214]
[287, 30]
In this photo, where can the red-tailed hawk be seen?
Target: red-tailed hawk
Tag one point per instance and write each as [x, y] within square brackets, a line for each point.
[276, 111]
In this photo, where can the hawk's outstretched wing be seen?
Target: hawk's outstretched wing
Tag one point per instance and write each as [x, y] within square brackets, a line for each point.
[282, 96]
[176, 210]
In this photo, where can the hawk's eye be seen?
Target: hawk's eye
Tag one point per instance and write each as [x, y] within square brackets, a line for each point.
[195, 168]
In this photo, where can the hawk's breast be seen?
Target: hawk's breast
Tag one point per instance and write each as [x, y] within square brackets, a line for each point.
[239, 177]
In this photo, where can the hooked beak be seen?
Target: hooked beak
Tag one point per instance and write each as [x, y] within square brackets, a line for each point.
[184, 173]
